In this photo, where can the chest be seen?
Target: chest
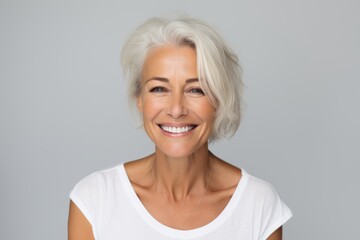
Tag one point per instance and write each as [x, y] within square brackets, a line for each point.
[188, 213]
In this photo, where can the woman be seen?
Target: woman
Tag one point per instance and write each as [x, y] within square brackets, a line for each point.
[186, 85]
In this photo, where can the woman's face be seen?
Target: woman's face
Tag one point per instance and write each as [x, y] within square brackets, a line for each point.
[177, 116]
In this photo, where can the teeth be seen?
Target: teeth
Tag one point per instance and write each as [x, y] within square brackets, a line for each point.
[177, 129]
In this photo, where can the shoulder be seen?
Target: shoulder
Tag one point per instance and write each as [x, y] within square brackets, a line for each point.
[91, 193]
[100, 176]
[260, 191]
[265, 203]
[264, 196]
[259, 185]
[96, 183]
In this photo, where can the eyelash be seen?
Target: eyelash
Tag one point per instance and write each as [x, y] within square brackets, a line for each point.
[197, 91]
[158, 90]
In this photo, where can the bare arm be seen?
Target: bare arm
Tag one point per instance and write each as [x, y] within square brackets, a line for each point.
[79, 227]
[277, 235]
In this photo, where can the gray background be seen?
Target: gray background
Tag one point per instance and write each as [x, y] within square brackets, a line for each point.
[64, 112]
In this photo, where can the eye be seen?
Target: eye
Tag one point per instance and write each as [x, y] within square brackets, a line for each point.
[197, 91]
[158, 90]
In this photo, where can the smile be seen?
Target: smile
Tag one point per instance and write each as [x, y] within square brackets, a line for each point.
[184, 129]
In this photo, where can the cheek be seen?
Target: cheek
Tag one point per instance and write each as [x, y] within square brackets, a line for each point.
[205, 110]
[151, 107]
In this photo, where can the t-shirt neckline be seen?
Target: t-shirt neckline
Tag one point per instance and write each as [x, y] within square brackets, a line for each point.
[176, 233]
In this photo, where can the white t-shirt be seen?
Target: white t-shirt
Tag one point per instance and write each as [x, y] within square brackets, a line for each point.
[110, 204]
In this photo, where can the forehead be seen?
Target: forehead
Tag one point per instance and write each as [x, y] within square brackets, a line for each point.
[169, 60]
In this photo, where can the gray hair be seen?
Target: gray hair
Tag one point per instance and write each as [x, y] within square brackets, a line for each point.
[218, 69]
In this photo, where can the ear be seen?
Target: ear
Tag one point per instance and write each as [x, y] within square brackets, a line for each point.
[139, 104]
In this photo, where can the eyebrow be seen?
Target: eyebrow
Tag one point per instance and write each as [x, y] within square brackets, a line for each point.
[161, 79]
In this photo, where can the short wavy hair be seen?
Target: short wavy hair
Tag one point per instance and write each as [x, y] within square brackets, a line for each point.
[218, 68]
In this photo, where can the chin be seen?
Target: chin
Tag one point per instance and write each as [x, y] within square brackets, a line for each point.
[176, 152]
[179, 150]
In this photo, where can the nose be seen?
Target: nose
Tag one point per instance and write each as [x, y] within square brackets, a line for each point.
[176, 105]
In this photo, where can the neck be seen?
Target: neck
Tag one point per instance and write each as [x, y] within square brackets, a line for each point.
[181, 177]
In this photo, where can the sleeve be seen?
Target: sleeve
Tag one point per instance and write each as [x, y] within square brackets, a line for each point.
[87, 196]
[275, 212]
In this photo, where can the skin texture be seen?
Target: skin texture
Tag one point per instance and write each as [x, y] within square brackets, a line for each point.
[79, 227]
[171, 95]
[182, 177]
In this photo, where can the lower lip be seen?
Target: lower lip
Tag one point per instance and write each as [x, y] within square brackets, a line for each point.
[169, 134]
